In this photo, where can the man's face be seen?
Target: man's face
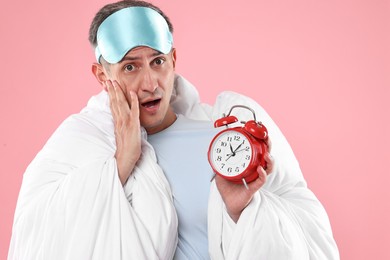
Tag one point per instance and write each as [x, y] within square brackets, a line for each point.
[150, 74]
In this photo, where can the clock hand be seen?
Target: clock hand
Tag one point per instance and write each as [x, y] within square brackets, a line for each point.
[239, 146]
[241, 150]
[234, 152]
[230, 155]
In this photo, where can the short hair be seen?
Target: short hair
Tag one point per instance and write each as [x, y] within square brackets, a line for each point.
[109, 9]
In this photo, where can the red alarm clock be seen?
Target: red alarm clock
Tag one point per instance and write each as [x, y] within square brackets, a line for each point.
[235, 153]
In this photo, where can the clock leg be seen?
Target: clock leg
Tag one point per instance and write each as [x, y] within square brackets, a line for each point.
[246, 185]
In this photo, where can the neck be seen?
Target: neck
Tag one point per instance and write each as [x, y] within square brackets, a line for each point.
[169, 119]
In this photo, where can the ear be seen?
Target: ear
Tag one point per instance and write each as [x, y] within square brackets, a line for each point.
[174, 57]
[100, 74]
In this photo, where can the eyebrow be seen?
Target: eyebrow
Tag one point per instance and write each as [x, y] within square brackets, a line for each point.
[127, 58]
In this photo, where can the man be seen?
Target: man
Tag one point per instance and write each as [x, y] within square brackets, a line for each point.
[128, 178]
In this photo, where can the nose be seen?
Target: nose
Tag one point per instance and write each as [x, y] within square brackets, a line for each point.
[148, 81]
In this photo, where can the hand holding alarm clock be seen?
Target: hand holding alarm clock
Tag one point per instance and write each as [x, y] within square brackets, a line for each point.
[235, 153]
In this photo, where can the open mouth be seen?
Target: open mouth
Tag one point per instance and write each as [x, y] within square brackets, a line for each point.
[152, 103]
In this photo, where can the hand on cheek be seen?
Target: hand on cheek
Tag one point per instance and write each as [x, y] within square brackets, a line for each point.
[127, 128]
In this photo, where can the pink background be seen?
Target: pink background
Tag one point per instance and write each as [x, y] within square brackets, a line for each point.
[320, 68]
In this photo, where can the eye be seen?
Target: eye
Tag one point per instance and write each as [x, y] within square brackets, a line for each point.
[159, 61]
[129, 67]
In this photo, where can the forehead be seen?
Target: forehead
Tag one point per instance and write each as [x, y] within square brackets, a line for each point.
[142, 50]
[139, 53]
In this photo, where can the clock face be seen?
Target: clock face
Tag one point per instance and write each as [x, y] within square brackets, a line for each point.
[231, 153]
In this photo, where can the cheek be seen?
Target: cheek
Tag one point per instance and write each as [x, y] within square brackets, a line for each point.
[119, 77]
[167, 81]
[127, 84]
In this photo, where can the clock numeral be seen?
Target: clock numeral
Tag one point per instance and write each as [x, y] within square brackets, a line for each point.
[219, 158]
[229, 139]
[230, 169]
[218, 150]
[247, 157]
[237, 169]
[247, 148]
[237, 138]
[223, 165]
[243, 165]
[224, 144]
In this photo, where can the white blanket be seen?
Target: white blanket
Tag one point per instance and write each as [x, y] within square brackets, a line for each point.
[72, 204]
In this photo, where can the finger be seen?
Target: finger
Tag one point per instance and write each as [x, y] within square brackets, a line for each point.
[262, 173]
[134, 104]
[270, 162]
[269, 144]
[112, 96]
[105, 86]
[259, 182]
[121, 101]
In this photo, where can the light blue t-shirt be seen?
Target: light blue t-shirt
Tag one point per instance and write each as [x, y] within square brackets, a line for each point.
[181, 152]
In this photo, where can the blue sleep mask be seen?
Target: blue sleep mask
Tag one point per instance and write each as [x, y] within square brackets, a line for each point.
[131, 27]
